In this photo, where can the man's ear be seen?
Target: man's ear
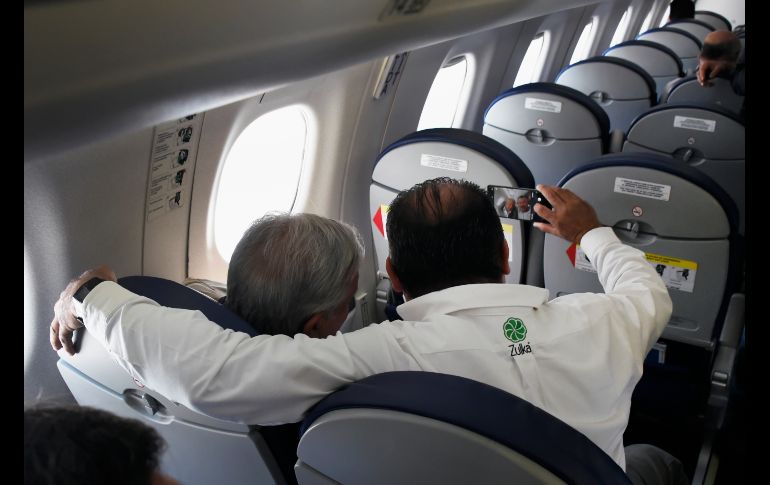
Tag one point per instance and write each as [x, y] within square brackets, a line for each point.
[394, 281]
[506, 252]
[312, 327]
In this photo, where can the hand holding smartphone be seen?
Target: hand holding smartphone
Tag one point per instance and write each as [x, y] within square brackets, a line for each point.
[517, 202]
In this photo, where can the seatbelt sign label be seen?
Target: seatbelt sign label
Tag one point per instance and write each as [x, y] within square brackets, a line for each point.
[642, 189]
[677, 274]
[443, 163]
[695, 124]
[542, 105]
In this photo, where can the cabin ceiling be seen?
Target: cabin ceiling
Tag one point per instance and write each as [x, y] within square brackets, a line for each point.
[96, 69]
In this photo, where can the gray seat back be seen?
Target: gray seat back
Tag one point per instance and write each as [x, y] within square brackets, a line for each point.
[697, 28]
[718, 22]
[446, 152]
[681, 220]
[688, 90]
[623, 89]
[684, 44]
[710, 139]
[552, 128]
[659, 61]
[201, 449]
[423, 427]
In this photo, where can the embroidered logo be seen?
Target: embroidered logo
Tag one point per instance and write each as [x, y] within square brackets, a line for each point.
[514, 330]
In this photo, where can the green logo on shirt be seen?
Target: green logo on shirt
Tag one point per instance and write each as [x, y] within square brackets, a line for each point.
[514, 330]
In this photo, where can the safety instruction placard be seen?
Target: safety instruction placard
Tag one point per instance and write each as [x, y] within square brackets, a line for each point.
[542, 105]
[642, 189]
[174, 149]
[508, 233]
[695, 124]
[677, 274]
[444, 163]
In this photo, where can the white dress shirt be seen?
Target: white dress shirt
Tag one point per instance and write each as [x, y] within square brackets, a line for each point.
[580, 359]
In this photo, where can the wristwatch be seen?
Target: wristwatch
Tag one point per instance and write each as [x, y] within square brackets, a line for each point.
[84, 290]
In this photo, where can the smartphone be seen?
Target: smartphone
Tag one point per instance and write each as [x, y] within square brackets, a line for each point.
[517, 202]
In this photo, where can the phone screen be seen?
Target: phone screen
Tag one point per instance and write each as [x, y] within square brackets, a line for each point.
[516, 203]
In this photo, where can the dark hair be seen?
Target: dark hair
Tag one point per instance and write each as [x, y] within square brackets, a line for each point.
[86, 446]
[681, 9]
[443, 233]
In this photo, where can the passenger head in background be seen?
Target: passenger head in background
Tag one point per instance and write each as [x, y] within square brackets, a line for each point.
[443, 233]
[681, 9]
[86, 446]
[719, 55]
[294, 274]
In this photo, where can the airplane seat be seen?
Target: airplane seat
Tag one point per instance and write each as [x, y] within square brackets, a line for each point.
[698, 28]
[686, 224]
[201, 449]
[709, 138]
[688, 90]
[424, 427]
[622, 88]
[659, 61]
[714, 19]
[552, 128]
[683, 43]
[443, 152]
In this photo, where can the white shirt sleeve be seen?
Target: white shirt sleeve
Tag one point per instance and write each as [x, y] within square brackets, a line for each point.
[635, 297]
[226, 374]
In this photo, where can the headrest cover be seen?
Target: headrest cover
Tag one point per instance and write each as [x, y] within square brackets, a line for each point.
[653, 45]
[172, 294]
[618, 61]
[474, 141]
[506, 419]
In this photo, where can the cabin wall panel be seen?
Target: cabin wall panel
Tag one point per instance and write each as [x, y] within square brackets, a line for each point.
[81, 209]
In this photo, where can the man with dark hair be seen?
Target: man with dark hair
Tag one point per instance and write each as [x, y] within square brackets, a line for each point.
[86, 446]
[681, 9]
[455, 318]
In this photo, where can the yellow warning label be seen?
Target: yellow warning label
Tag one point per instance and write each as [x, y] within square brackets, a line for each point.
[508, 234]
[682, 263]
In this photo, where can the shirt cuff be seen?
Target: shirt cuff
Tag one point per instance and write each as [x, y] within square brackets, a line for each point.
[101, 302]
[594, 239]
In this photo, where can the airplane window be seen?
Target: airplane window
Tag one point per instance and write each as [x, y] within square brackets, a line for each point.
[648, 21]
[620, 32]
[531, 65]
[664, 20]
[582, 49]
[260, 174]
[445, 96]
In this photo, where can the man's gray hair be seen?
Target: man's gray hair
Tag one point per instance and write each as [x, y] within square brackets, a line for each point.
[288, 267]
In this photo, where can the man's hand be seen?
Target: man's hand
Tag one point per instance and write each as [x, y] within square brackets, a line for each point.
[64, 322]
[571, 216]
[709, 69]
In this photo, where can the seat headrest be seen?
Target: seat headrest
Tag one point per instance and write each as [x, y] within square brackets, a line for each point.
[673, 106]
[675, 31]
[715, 15]
[690, 21]
[567, 92]
[474, 141]
[483, 409]
[618, 61]
[172, 294]
[668, 165]
[653, 45]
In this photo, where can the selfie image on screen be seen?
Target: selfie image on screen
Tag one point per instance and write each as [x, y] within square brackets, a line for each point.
[513, 203]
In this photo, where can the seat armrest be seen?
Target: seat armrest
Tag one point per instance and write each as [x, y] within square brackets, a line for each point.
[722, 370]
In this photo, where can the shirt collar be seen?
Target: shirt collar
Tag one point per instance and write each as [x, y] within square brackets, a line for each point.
[466, 297]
